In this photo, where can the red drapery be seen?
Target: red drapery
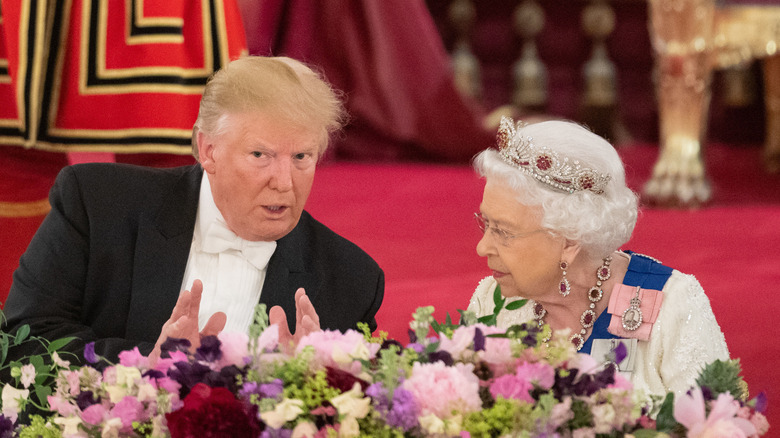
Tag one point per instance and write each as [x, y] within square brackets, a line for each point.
[100, 76]
[391, 63]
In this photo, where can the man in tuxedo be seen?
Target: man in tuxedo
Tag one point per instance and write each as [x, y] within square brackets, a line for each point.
[129, 256]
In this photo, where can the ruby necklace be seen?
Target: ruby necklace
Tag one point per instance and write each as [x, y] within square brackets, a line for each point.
[588, 317]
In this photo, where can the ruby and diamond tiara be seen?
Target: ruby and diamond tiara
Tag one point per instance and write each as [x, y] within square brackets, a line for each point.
[544, 164]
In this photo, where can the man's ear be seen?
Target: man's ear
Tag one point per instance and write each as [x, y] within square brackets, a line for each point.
[206, 152]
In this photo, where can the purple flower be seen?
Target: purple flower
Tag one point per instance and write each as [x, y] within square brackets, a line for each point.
[248, 390]
[529, 340]
[89, 353]
[209, 350]
[479, 340]
[174, 344]
[276, 433]
[404, 412]
[272, 390]
[441, 356]
[188, 375]
[86, 399]
[620, 352]
[6, 427]
[761, 402]
[418, 348]
[377, 392]
[153, 374]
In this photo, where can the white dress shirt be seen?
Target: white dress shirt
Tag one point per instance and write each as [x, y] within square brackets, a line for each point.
[231, 284]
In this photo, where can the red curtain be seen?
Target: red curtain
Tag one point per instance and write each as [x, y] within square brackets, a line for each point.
[389, 60]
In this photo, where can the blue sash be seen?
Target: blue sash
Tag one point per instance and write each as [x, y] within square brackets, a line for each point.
[642, 271]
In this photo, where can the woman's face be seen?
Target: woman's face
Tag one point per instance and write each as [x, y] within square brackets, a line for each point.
[526, 260]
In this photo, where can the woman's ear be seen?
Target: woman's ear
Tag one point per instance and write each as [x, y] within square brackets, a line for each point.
[206, 152]
[571, 249]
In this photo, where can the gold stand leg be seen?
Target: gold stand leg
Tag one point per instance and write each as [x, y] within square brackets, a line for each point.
[772, 97]
[682, 38]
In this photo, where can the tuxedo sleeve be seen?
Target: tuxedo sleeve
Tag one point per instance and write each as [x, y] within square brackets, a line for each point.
[48, 289]
[370, 317]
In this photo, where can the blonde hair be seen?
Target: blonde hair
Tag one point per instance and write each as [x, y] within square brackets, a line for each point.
[601, 223]
[283, 88]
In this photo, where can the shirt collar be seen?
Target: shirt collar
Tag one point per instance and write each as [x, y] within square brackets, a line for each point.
[207, 210]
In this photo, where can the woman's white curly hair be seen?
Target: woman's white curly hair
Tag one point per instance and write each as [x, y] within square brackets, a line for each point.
[600, 223]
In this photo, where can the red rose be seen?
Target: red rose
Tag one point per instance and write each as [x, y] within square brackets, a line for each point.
[213, 412]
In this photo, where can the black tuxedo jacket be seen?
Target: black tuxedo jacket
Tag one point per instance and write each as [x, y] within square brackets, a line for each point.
[107, 263]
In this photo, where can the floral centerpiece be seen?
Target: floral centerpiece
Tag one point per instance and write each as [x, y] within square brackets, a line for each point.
[465, 380]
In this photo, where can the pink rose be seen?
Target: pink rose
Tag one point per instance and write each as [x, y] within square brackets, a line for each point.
[133, 358]
[540, 374]
[439, 389]
[511, 387]
[129, 409]
[94, 414]
[234, 349]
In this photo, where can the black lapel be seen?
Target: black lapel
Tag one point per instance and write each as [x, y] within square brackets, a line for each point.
[289, 269]
[162, 248]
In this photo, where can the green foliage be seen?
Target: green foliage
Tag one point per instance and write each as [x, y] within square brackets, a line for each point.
[375, 427]
[665, 421]
[723, 376]
[295, 369]
[583, 417]
[422, 321]
[390, 368]
[647, 433]
[45, 369]
[314, 391]
[498, 420]
[500, 303]
[363, 328]
[39, 428]
[259, 323]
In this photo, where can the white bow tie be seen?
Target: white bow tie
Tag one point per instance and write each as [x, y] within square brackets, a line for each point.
[219, 238]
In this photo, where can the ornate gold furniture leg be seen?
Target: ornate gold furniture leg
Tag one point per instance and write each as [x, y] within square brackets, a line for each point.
[772, 96]
[682, 40]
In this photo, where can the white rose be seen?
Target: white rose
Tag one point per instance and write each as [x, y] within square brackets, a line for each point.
[28, 375]
[432, 424]
[70, 425]
[349, 428]
[127, 376]
[304, 429]
[111, 428]
[287, 410]
[11, 398]
[116, 393]
[361, 352]
[352, 403]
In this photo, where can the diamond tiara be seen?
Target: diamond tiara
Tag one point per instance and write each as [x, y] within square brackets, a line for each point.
[545, 164]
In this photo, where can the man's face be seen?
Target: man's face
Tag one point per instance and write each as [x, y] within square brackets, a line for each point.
[260, 173]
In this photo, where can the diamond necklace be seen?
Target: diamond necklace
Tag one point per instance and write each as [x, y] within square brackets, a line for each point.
[588, 317]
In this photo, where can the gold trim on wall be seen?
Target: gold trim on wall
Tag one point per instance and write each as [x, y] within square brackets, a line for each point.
[24, 209]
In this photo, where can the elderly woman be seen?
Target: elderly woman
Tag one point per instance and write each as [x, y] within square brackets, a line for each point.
[554, 212]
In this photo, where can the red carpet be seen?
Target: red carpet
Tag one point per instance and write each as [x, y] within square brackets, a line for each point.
[416, 221]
